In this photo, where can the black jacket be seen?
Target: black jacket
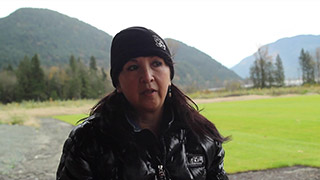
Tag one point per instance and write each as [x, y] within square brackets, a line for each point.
[122, 151]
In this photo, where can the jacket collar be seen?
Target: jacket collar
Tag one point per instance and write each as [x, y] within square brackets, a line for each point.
[167, 121]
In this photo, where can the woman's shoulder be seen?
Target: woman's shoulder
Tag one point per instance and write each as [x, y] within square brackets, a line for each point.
[88, 137]
[85, 127]
[210, 144]
[83, 148]
[89, 130]
[98, 129]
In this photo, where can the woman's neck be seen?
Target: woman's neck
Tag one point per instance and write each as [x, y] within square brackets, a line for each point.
[150, 120]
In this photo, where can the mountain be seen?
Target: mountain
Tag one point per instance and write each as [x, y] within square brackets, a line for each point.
[55, 37]
[52, 35]
[197, 67]
[289, 50]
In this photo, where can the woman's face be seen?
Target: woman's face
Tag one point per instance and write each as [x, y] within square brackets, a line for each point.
[144, 82]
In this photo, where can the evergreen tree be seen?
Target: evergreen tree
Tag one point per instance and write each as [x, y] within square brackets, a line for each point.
[104, 74]
[74, 88]
[307, 67]
[73, 85]
[73, 64]
[84, 76]
[24, 89]
[263, 75]
[279, 72]
[269, 69]
[30, 82]
[8, 86]
[255, 74]
[259, 70]
[94, 80]
[86, 90]
[37, 81]
[93, 64]
[302, 61]
[30, 77]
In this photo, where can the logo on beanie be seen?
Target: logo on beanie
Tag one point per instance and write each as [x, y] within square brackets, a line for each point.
[159, 42]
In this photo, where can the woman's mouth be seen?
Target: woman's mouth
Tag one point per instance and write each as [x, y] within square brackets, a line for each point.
[148, 92]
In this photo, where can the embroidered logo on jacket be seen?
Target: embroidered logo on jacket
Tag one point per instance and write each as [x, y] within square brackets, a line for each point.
[195, 160]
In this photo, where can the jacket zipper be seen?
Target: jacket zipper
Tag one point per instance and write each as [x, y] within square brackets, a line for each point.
[161, 172]
[164, 151]
[161, 165]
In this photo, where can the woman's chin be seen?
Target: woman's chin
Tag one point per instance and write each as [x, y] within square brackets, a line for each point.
[150, 108]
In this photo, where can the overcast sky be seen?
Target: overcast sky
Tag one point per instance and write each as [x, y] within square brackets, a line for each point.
[226, 30]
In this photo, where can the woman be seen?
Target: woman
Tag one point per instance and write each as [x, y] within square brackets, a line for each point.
[146, 128]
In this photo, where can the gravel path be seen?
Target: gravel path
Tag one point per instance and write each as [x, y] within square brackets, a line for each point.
[29, 153]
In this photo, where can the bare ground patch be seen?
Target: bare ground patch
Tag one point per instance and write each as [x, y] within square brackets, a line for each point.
[239, 98]
[32, 153]
[30, 116]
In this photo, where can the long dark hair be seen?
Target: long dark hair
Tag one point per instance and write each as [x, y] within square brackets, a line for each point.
[189, 111]
[185, 108]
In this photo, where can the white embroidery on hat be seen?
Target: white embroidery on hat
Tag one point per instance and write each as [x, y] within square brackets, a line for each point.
[159, 42]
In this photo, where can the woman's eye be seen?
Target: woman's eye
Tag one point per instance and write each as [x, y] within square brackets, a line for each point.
[156, 63]
[132, 67]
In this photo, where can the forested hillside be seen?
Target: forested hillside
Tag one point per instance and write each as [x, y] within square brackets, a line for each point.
[51, 35]
[30, 81]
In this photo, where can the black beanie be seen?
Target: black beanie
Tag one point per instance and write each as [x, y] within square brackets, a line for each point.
[136, 42]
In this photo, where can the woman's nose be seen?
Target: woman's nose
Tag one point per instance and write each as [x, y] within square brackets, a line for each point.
[147, 75]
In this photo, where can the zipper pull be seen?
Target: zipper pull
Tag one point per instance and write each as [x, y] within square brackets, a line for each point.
[161, 173]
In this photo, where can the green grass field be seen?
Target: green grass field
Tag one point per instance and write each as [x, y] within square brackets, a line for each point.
[72, 118]
[268, 133]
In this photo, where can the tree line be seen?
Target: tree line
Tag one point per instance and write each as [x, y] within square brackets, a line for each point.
[266, 73]
[30, 81]
[310, 68]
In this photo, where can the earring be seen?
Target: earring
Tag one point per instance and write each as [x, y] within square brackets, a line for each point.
[169, 91]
